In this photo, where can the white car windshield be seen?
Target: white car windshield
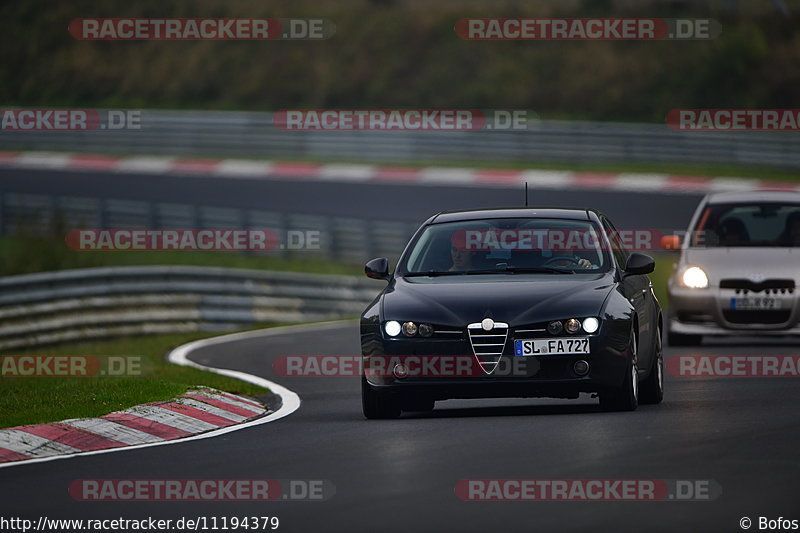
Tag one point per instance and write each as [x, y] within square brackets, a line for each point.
[748, 225]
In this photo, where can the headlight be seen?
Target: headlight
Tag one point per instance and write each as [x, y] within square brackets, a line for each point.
[409, 329]
[694, 278]
[392, 328]
[426, 330]
[590, 324]
[572, 325]
[554, 327]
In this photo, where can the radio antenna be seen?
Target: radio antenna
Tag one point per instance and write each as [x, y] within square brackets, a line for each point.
[526, 194]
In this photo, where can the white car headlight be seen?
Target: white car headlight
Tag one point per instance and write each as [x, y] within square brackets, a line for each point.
[392, 328]
[694, 278]
[591, 324]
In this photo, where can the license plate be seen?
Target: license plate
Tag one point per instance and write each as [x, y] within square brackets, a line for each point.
[525, 348]
[755, 304]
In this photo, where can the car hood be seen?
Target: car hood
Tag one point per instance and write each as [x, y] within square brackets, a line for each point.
[744, 263]
[514, 299]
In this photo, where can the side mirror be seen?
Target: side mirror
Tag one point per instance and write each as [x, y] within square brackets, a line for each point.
[671, 242]
[639, 264]
[377, 268]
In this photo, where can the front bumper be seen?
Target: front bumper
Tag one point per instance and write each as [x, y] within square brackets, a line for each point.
[515, 376]
[708, 312]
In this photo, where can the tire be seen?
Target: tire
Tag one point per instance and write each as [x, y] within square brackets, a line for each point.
[626, 396]
[651, 390]
[377, 406]
[679, 339]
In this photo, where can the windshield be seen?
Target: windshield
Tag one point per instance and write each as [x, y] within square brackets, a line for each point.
[748, 225]
[519, 245]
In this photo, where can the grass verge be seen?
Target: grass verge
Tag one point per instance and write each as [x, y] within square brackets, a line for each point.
[27, 254]
[49, 399]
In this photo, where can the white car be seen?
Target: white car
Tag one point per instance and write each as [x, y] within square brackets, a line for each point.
[739, 268]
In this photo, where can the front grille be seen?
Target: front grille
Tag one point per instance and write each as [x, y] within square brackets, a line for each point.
[532, 331]
[769, 285]
[756, 317]
[488, 345]
[447, 333]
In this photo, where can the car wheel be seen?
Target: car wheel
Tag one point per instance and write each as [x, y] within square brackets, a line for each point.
[652, 389]
[679, 339]
[625, 397]
[376, 405]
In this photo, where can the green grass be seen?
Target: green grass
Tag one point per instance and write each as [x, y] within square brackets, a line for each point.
[38, 400]
[27, 254]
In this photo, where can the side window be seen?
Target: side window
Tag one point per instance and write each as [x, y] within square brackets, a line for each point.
[620, 254]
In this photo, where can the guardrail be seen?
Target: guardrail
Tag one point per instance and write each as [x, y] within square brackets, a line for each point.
[347, 240]
[70, 305]
[253, 134]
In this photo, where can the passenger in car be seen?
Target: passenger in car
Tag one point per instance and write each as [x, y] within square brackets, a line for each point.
[791, 232]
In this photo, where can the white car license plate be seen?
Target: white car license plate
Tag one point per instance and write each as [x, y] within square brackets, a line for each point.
[755, 304]
[566, 346]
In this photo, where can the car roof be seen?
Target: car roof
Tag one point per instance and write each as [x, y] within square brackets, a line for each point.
[753, 196]
[513, 212]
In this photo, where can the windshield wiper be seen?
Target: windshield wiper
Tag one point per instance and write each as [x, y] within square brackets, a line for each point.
[521, 270]
[506, 270]
[433, 273]
[539, 270]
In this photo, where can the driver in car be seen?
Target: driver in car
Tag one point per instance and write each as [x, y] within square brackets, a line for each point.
[462, 258]
[567, 259]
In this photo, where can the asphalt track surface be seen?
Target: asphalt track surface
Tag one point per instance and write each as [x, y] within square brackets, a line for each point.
[367, 200]
[400, 475]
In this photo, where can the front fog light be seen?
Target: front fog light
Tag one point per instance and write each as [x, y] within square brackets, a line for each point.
[572, 325]
[591, 324]
[694, 278]
[554, 328]
[409, 329]
[392, 328]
